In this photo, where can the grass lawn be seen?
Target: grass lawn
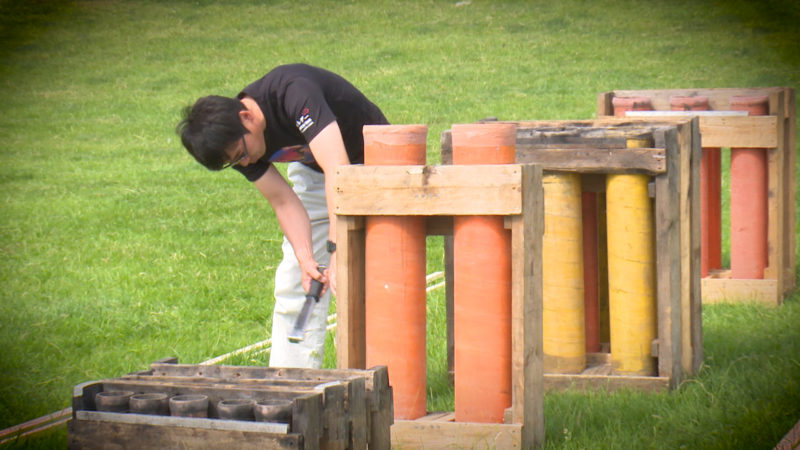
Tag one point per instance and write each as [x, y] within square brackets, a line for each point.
[117, 249]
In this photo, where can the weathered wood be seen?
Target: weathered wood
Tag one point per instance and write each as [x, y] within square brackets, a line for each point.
[260, 373]
[724, 290]
[331, 409]
[307, 420]
[608, 383]
[183, 422]
[93, 434]
[441, 434]
[427, 190]
[668, 273]
[358, 404]
[526, 311]
[595, 160]
[692, 323]
[350, 315]
[788, 131]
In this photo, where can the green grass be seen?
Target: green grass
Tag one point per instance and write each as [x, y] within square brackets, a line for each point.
[116, 249]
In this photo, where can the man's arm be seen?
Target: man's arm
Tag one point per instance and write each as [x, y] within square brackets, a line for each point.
[293, 220]
[329, 152]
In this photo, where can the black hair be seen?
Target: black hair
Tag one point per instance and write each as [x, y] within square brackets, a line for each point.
[209, 127]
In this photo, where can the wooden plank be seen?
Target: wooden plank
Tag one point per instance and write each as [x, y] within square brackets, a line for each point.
[381, 421]
[350, 298]
[276, 384]
[183, 422]
[307, 420]
[92, 434]
[776, 245]
[335, 417]
[428, 190]
[595, 160]
[743, 132]
[732, 131]
[260, 373]
[788, 136]
[438, 434]
[526, 310]
[726, 290]
[358, 404]
[691, 144]
[718, 98]
[609, 383]
[668, 271]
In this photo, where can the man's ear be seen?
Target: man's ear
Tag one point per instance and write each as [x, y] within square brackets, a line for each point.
[246, 116]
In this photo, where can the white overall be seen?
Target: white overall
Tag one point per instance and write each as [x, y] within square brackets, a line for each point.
[309, 185]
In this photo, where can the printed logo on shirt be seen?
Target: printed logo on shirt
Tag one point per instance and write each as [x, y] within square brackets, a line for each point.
[305, 121]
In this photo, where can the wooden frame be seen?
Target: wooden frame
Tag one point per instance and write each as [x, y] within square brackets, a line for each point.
[332, 409]
[438, 193]
[775, 132]
[599, 147]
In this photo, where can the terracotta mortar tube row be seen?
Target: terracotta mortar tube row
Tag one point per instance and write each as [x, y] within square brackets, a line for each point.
[749, 199]
[395, 276]
[482, 287]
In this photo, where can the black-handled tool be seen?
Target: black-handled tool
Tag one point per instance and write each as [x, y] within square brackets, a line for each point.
[312, 298]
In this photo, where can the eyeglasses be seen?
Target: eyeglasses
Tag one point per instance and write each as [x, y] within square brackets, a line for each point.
[241, 157]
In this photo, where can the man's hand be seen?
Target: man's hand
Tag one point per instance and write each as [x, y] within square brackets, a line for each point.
[309, 270]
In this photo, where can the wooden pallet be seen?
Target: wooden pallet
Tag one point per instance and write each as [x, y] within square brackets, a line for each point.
[331, 409]
[438, 193]
[775, 132]
[594, 148]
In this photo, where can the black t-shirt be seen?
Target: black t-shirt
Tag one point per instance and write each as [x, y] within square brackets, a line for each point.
[299, 101]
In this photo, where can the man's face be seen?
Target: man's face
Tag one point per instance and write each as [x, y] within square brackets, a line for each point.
[251, 147]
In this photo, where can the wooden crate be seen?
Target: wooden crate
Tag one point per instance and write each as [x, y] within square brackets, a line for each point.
[331, 409]
[595, 148]
[439, 193]
[775, 132]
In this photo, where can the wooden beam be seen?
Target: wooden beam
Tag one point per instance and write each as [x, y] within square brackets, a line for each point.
[526, 311]
[742, 132]
[595, 160]
[717, 290]
[609, 383]
[668, 270]
[428, 190]
[350, 285]
[442, 434]
[718, 98]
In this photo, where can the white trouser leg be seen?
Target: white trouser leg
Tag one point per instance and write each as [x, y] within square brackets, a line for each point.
[309, 186]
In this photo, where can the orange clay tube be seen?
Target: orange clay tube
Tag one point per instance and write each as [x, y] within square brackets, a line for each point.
[482, 287]
[710, 201]
[395, 276]
[563, 313]
[631, 274]
[749, 200]
[622, 104]
[591, 281]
